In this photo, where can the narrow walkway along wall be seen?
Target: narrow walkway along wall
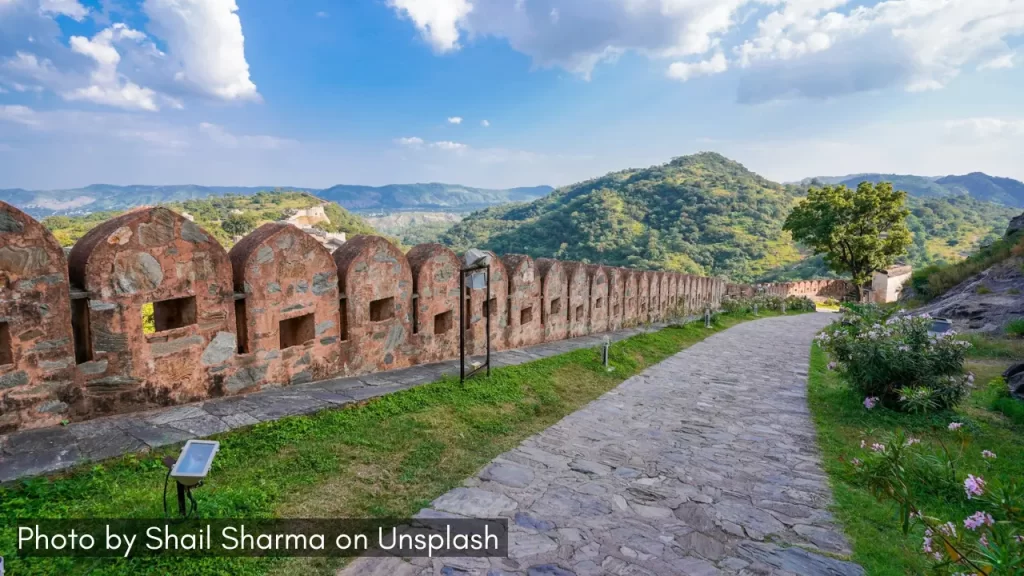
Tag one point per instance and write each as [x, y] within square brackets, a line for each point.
[149, 310]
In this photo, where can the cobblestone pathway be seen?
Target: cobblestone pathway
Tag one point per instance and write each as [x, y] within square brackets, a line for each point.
[704, 464]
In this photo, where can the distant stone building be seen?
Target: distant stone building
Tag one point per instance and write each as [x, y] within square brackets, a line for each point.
[886, 285]
[308, 217]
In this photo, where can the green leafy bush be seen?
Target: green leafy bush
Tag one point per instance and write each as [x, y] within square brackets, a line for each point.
[1015, 328]
[892, 358]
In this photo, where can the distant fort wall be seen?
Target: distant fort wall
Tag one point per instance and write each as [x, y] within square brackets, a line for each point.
[817, 290]
[149, 310]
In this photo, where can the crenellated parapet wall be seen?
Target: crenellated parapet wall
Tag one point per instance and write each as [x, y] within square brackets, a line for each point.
[817, 290]
[150, 310]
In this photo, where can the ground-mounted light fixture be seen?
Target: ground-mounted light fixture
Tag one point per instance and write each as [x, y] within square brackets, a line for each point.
[189, 470]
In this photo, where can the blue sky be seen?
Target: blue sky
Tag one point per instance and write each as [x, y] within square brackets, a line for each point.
[501, 92]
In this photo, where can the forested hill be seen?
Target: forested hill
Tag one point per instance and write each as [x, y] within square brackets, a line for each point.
[702, 213]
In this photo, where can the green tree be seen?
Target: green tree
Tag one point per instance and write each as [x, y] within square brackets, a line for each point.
[858, 231]
[239, 224]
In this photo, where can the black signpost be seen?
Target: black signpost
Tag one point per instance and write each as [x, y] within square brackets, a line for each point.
[480, 266]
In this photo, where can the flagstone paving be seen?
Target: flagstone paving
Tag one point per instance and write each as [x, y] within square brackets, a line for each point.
[703, 464]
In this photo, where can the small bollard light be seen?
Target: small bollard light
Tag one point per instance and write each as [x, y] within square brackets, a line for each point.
[755, 309]
[707, 318]
[783, 307]
[189, 470]
[605, 353]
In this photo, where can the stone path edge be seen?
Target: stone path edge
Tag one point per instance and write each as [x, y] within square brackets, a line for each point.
[28, 453]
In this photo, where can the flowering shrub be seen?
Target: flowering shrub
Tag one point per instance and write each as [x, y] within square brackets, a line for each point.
[893, 358]
[988, 541]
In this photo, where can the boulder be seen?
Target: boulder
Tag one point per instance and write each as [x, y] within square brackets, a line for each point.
[1014, 377]
[1016, 224]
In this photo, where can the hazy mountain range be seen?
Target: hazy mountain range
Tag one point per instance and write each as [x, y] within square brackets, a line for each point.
[390, 198]
[978, 185]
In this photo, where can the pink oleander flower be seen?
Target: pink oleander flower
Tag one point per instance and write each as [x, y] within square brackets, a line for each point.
[856, 462]
[911, 442]
[863, 444]
[926, 546]
[876, 447]
[978, 519]
[948, 529]
[983, 540]
[954, 426]
[988, 454]
[974, 486]
[870, 402]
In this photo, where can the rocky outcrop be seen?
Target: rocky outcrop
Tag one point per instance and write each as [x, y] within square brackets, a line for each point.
[986, 302]
[1016, 225]
[1014, 377]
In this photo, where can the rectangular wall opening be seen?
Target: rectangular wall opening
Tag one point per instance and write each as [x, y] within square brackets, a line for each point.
[415, 316]
[599, 304]
[615, 310]
[6, 345]
[383, 309]
[443, 322]
[579, 312]
[526, 316]
[80, 330]
[168, 314]
[343, 321]
[508, 310]
[297, 331]
[491, 307]
[556, 306]
[241, 327]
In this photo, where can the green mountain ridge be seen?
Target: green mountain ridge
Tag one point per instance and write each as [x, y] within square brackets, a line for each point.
[703, 214]
[977, 185]
[390, 198]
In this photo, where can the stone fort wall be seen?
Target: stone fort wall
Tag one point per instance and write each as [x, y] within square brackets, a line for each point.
[817, 290]
[279, 309]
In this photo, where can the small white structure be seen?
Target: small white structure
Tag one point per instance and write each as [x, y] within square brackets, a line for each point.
[309, 216]
[886, 285]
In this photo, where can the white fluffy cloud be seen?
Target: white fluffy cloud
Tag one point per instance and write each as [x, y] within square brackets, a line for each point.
[447, 145]
[798, 48]
[107, 85]
[410, 142]
[437, 20]
[19, 115]
[123, 67]
[70, 8]
[205, 38]
[685, 70]
[455, 120]
[981, 129]
[485, 123]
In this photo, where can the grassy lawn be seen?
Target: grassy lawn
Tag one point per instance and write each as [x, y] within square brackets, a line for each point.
[842, 422]
[388, 457]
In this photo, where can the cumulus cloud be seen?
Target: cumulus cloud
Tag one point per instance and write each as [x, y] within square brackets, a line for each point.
[70, 8]
[437, 20]
[107, 86]
[205, 39]
[447, 145]
[455, 120]
[19, 114]
[201, 53]
[485, 123]
[813, 45]
[685, 70]
[410, 142]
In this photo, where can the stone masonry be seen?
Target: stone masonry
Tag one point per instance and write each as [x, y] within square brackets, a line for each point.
[78, 340]
[37, 357]
[703, 464]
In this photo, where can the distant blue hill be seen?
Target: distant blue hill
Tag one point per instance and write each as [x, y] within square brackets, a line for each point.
[977, 185]
[390, 198]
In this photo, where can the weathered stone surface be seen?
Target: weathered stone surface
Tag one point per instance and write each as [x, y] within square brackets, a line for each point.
[509, 474]
[716, 447]
[474, 502]
[220, 349]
